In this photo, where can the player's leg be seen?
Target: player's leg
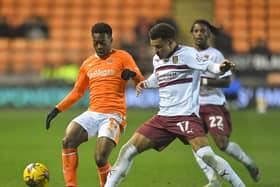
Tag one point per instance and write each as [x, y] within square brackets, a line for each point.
[234, 150]
[74, 136]
[137, 144]
[108, 136]
[201, 146]
[221, 130]
[208, 171]
[103, 149]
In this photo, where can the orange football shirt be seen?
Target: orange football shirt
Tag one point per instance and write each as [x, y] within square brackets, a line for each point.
[103, 79]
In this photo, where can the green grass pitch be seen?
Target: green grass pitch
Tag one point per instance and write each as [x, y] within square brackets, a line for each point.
[23, 140]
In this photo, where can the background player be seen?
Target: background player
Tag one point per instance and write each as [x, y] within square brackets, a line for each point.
[215, 116]
[105, 74]
[177, 76]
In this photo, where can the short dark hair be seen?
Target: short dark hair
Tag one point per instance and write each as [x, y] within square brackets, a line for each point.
[212, 28]
[163, 31]
[102, 28]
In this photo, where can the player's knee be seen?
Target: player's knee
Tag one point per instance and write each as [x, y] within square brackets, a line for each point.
[100, 160]
[221, 142]
[209, 158]
[207, 155]
[128, 151]
[222, 145]
[68, 142]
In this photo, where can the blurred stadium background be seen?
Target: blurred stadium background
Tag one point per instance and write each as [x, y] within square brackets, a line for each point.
[29, 64]
[37, 70]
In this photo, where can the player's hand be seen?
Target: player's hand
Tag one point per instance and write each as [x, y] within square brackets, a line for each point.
[226, 65]
[127, 74]
[139, 87]
[50, 117]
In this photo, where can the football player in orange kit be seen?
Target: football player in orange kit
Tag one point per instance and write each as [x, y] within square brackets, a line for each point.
[105, 74]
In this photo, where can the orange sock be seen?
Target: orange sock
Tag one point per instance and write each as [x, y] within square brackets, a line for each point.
[70, 165]
[102, 173]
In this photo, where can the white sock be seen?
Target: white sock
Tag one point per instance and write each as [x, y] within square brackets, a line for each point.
[122, 165]
[207, 170]
[220, 166]
[234, 150]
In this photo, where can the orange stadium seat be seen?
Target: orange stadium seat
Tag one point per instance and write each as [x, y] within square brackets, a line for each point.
[18, 51]
[74, 33]
[241, 42]
[274, 23]
[257, 23]
[4, 55]
[42, 10]
[57, 34]
[222, 4]
[56, 22]
[239, 3]
[4, 59]
[75, 8]
[19, 62]
[240, 13]
[57, 45]
[55, 57]
[18, 45]
[274, 45]
[241, 46]
[68, 21]
[4, 44]
[58, 12]
[258, 12]
[37, 54]
[239, 24]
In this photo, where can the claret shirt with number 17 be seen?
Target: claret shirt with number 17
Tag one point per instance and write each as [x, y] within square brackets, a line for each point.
[103, 79]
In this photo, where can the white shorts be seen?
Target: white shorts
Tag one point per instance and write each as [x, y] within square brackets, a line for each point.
[100, 125]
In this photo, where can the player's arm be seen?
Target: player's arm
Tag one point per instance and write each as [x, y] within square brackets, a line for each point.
[131, 70]
[151, 82]
[195, 61]
[216, 82]
[76, 94]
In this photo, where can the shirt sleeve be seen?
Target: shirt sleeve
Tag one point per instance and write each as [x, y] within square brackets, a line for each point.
[76, 93]
[219, 58]
[151, 81]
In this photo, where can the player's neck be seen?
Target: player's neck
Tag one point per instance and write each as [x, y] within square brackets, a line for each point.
[176, 47]
[201, 47]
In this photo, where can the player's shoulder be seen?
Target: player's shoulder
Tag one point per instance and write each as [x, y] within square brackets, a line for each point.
[185, 48]
[214, 50]
[89, 59]
[120, 53]
[186, 51]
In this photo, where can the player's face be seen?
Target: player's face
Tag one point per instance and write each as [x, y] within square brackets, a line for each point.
[200, 35]
[102, 44]
[162, 48]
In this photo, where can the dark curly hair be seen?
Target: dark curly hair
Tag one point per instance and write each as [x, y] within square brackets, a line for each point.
[214, 30]
[102, 28]
[163, 31]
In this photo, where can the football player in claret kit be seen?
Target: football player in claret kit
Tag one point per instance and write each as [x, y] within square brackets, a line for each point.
[213, 112]
[105, 74]
[177, 76]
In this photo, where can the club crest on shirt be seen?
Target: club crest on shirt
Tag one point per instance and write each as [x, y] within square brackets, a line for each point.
[110, 60]
[175, 59]
[201, 58]
[206, 57]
